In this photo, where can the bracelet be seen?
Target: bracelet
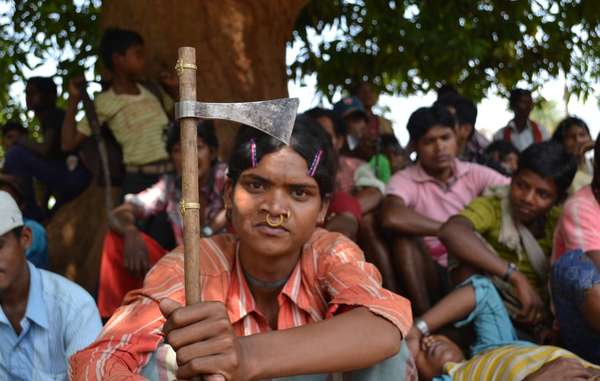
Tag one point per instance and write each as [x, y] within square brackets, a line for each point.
[509, 271]
[422, 326]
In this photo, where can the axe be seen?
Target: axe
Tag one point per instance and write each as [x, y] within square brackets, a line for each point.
[274, 117]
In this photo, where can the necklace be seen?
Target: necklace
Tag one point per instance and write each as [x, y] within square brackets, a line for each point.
[264, 284]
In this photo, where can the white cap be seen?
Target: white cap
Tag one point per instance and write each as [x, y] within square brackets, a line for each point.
[10, 214]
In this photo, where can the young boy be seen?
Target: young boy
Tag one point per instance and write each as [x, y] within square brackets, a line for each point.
[12, 132]
[522, 131]
[62, 174]
[44, 318]
[502, 156]
[352, 117]
[517, 224]
[134, 115]
[421, 198]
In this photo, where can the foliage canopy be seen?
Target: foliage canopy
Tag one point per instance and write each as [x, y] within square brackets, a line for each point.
[402, 46]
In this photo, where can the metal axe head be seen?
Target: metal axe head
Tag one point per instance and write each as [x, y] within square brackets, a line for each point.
[274, 117]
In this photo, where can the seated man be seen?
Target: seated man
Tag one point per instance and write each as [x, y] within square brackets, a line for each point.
[516, 224]
[575, 275]
[421, 198]
[44, 318]
[37, 252]
[496, 353]
[61, 172]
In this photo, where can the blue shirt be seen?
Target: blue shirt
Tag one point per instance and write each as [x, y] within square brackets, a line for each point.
[37, 252]
[60, 319]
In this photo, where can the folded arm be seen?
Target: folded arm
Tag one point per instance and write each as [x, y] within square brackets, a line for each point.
[399, 218]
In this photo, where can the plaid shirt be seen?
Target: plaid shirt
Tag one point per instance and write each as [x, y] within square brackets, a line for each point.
[330, 275]
[165, 195]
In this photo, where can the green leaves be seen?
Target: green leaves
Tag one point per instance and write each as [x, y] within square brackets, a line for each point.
[408, 46]
[34, 31]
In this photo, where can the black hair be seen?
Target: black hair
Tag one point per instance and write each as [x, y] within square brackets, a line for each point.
[515, 95]
[446, 89]
[425, 118]
[550, 160]
[356, 87]
[205, 130]
[503, 148]
[13, 125]
[117, 40]
[320, 112]
[45, 85]
[307, 139]
[390, 141]
[465, 109]
[565, 124]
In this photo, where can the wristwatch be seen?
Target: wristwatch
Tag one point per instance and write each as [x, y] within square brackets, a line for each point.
[422, 326]
[509, 271]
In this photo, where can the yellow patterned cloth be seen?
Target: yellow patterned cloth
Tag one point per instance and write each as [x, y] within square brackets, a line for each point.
[509, 362]
[137, 121]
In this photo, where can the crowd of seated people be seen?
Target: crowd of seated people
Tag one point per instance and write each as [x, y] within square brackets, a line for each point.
[335, 256]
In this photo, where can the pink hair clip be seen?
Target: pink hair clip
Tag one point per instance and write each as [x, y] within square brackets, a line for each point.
[253, 152]
[313, 167]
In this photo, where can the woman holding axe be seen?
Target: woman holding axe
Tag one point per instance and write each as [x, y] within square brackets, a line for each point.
[281, 297]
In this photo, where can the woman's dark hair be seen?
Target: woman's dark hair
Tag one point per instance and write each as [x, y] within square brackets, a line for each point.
[596, 179]
[205, 129]
[117, 40]
[307, 139]
[515, 96]
[565, 124]
[550, 160]
[425, 118]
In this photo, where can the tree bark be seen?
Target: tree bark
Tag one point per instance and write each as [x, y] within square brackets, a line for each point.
[240, 44]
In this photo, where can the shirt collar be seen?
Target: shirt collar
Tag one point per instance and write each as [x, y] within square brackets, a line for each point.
[513, 126]
[459, 169]
[36, 307]
[242, 306]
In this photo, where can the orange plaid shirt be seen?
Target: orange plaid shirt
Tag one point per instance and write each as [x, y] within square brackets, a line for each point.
[330, 273]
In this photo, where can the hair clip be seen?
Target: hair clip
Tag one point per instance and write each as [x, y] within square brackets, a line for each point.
[313, 167]
[253, 152]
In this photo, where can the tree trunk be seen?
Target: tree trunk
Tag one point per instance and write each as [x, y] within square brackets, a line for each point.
[240, 44]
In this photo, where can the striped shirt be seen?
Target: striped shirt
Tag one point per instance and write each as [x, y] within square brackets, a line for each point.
[578, 225]
[331, 274]
[137, 121]
[510, 362]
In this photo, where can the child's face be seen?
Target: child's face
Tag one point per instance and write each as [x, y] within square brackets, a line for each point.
[278, 186]
[357, 125]
[510, 163]
[575, 137]
[437, 149]
[132, 62]
[205, 157]
[435, 351]
[531, 196]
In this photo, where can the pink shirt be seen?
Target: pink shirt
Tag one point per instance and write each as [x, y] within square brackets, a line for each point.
[578, 224]
[438, 201]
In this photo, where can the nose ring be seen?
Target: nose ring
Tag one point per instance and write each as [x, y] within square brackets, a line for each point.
[279, 221]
